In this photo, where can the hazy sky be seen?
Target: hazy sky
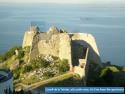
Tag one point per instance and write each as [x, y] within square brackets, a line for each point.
[68, 1]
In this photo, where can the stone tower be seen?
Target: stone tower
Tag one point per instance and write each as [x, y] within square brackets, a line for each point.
[29, 35]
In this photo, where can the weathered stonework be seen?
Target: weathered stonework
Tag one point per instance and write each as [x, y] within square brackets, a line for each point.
[29, 36]
[65, 48]
[78, 48]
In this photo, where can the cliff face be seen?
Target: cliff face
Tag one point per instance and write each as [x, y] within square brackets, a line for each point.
[77, 48]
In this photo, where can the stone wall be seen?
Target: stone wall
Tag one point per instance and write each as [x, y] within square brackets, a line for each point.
[28, 37]
[88, 40]
[82, 68]
[58, 45]
[34, 47]
[62, 45]
[49, 46]
[65, 48]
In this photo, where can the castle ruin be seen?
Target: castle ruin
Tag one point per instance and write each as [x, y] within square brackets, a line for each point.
[78, 48]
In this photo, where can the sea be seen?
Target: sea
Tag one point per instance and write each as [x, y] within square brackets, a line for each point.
[106, 23]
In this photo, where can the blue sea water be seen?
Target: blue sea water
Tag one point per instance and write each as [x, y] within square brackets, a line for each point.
[107, 24]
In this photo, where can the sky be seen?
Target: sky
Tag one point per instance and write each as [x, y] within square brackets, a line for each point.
[67, 1]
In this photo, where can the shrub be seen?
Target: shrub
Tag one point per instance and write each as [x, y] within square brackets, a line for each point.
[26, 68]
[21, 54]
[48, 74]
[27, 49]
[63, 65]
[39, 63]
[112, 68]
[10, 53]
[44, 63]
[16, 73]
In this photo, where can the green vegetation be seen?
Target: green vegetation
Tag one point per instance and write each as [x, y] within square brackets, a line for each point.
[17, 62]
[123, 69]
[48, 74]
[108, 75]
[1, 58]
[63, 66]
[107, 68]
[9, 53]
[39, 62]
[16, 73]
[21, 54]
[40, 68]
[26, 68]
[12, 58]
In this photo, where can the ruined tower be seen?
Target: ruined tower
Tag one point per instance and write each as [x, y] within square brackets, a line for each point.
[29, 35]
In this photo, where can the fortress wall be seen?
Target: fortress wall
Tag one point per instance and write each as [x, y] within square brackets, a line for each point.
[65, 48]
[27, 41]
[49, 47]
[34, 47]
[88, 40]
[82, 68]
[77, 52]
